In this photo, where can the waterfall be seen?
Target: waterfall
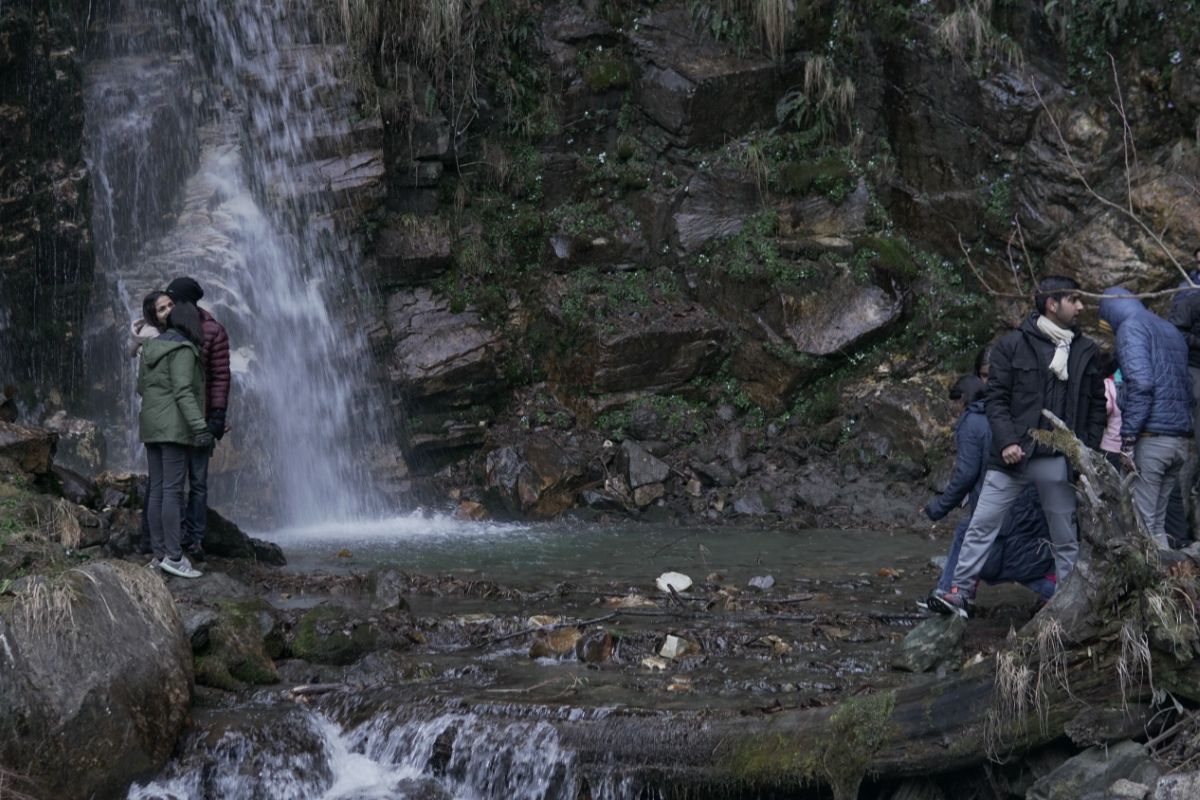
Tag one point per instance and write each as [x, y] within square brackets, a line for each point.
[244, 163]
[308, 756]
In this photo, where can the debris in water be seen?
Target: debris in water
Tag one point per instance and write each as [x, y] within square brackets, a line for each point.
[673, 580]
[679, 683]
[630, 601]
[555, 643]
[654, 662]
[889, 572]
[676, 646]
[763, 582]
[595, 648]
[541, 620]
[343, 553]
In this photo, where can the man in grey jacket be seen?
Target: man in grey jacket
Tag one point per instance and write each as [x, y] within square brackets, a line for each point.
[1156, 403]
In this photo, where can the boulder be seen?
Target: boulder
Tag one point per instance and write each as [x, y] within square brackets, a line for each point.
[328, 635]
[224, 538]
[1094, 770]
[439, 355]
[639, 467]
[75, 669]
[696, 88]
[75, 487]
[81, 444]
[239, 647]
[537, 478]
[31, 449]
[839, 318]
[934, 641]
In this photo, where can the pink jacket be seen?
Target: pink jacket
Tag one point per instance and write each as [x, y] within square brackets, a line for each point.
[1111, 441]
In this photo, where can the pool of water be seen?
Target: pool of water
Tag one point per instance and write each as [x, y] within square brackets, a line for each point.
[624, 554]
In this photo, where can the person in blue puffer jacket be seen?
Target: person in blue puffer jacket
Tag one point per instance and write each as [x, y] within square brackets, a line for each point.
[1156, 402]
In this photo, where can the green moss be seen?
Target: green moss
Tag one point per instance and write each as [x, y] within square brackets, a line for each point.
[887, 253]
[859, 727]
[329, 636]
[238, 652]
[606, 73]
[831, 176]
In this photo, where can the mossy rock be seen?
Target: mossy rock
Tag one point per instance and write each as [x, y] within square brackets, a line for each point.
[830, 175]
[890, 254]
[333, 636]
[606, 73]
[242, 645]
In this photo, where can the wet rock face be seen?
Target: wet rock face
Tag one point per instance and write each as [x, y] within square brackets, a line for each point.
[45, 252]
[440, 355]
[75, 668]
[665, 350]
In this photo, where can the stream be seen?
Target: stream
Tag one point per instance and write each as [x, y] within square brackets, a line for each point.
[471, 712]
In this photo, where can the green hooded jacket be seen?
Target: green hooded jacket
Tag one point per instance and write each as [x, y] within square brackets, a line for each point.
[171, 383]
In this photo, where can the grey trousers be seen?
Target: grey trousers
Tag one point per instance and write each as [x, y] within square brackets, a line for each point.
[1159, 461]
[168, 469]
[1000, 490]
[1188, 477]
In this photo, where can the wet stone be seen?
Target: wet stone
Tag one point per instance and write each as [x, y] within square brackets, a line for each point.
[641, 467]
[934, 640]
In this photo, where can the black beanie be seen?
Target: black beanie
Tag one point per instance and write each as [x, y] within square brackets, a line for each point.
[185, 290]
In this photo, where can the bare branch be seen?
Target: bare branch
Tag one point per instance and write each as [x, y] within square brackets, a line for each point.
[988, 289]
[1128, 213]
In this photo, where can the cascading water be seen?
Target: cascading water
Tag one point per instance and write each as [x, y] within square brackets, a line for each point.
[309, 756]
[266, 224]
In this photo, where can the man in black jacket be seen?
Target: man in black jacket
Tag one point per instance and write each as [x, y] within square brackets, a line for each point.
[1044, 364]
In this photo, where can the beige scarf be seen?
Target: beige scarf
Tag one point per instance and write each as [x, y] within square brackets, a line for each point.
[1062, 345]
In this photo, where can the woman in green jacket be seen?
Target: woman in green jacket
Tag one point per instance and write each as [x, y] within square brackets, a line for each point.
[171, 383]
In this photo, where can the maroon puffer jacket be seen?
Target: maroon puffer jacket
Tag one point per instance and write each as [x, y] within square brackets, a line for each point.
[215, 355]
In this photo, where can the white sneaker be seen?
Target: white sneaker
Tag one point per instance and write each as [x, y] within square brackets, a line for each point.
[155, 563]
[183, 568]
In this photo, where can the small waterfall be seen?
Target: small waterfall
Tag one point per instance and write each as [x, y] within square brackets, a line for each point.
[307, 755]
[256, 193]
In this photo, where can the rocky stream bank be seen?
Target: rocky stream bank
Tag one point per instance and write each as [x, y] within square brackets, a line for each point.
[345, 673]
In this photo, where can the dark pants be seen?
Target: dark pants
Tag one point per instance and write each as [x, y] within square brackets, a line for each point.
[168, 470]
[197, 500]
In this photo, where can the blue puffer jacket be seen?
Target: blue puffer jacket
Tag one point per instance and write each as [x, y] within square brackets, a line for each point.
[973, 438]
[1157, 391]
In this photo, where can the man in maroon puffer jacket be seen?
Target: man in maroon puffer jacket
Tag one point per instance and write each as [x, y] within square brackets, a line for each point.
[215, 358]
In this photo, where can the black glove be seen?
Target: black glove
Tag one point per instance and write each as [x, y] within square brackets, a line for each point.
[202, 440]
[216, 422]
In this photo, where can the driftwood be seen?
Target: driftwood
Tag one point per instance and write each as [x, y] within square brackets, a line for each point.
[1122, 630]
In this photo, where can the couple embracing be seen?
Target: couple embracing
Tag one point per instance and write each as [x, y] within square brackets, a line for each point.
[183, 380]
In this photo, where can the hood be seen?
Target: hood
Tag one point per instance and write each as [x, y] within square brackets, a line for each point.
[158, 348]
[975, 407]
[1118, 305]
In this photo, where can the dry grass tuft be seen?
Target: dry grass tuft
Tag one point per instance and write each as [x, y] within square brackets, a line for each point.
[149, 595]
[64, 525]
[968, 34]
[45, 607]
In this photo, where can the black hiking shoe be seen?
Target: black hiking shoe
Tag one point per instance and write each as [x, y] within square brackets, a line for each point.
[952, 602]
